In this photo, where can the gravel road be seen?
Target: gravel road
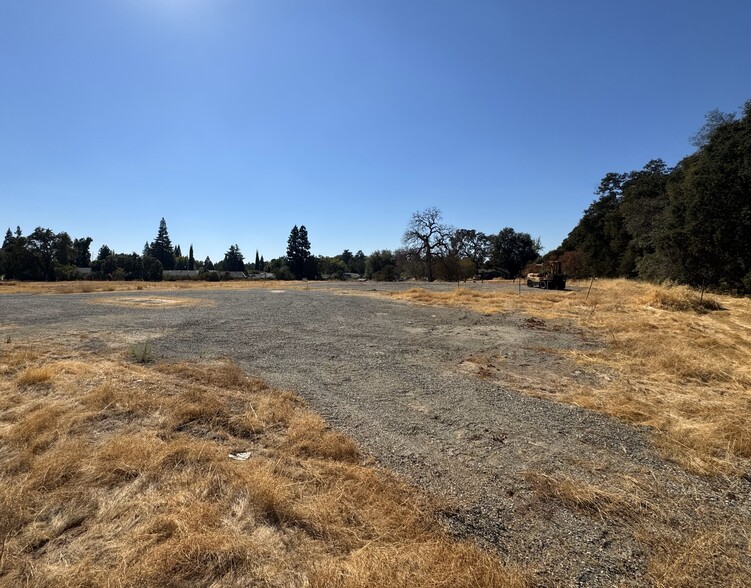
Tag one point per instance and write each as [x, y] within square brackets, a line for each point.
[389, 374]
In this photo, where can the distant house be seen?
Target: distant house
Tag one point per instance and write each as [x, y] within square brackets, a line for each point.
[261, 276]
[83, 271]
[230, 275]
[179, 274]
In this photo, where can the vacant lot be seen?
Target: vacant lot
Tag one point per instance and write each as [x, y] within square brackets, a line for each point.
[433, 392]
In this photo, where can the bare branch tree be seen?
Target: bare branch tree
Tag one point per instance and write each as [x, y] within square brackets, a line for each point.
[427, 237]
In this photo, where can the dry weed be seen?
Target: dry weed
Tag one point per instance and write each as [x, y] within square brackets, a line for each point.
[88, 286]
[670, 363]
[690, 547]
[119, 474]
[585, 496]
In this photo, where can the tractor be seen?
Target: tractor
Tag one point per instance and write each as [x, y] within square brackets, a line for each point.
[550, 277]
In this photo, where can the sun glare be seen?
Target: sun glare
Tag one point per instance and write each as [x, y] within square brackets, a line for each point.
[175, 11]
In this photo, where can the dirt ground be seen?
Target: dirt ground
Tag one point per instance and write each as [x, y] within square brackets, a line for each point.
[400, 379]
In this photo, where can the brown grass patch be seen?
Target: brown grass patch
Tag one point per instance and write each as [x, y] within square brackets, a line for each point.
[89, 287]
[669, 362]
[585, 496]
[115, 473]
[690, 546]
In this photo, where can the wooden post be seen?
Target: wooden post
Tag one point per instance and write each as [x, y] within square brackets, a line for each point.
[590, 287]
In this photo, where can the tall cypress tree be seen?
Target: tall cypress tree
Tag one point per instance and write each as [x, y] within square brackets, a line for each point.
[191, 259]
[161, 247]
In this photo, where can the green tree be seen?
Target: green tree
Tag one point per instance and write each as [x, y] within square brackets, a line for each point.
[191, 259]
[643, 205]
[19, 263]
[601, 235]
[331, 267]
[161, 247]
[713, 120]
[381, 266]
[41, 245]
[299, 260]
[104, 253]
[709, 228]
[472, 245]
[346, 257]
[82, 251]
[234, 260]
[511, 251]
[152, 269]
[358, 263]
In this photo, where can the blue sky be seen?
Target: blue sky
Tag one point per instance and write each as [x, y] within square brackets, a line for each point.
[237, 119]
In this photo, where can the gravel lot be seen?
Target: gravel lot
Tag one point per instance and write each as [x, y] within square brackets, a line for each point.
[390, 375]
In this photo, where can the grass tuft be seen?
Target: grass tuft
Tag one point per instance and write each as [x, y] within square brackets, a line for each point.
[679, 299]
[142, 352]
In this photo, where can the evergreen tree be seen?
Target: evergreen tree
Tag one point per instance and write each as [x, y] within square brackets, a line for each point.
[234, 260]
[191, 259]
[298, 253]
[208, 264]
[104, 253]
[257, 266]
[161, 247]
[178, 252]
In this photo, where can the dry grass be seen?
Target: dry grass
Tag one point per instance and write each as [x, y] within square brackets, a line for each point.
[690, 544]
[584, 496]
[117, 473]
[668, 361]
[92, 286]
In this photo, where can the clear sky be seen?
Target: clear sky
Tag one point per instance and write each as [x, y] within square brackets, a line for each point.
[237, 119]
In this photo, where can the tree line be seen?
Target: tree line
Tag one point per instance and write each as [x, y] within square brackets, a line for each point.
[430, 250]
[49, 256]
[690, 224]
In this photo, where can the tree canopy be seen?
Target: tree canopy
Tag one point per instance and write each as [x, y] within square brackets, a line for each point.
[690, 224]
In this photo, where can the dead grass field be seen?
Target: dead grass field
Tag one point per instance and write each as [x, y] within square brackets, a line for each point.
[93, 286]
[117, 473]
[669, 361]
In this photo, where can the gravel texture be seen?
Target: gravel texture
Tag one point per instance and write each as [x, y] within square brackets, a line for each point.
[390, 375]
